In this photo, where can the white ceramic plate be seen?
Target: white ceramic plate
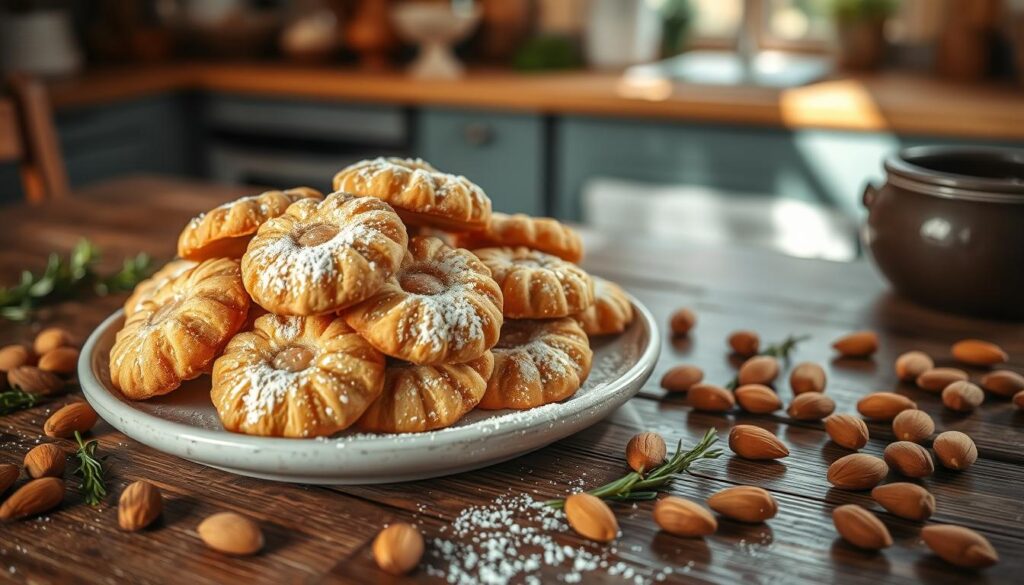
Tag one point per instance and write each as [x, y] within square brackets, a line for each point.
[184, 423]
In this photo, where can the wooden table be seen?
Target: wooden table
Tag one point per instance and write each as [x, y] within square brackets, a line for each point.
[323, 534]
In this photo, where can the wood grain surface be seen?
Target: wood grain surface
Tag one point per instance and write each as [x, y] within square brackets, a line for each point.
[323, 534]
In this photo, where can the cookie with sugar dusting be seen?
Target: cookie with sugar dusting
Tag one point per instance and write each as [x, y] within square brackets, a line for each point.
[177, 333]
[296, 377]
[421, 194]
[441, 307]
[537, 362]
[149, 287]
[536, 285]
[225, 231]
[324, 256]
[545, 234]
[611, 312]
[425, 398]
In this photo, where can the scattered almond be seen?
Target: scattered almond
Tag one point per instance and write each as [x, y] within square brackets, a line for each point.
[14, 356]
[1003, 383]
[50, 339]
[807, 377]
[63, 360]
[398, 548]
[231, 533]
[744, 503]
[761, 369]
[681, 378]
[909, 459]
[35, 497]
[752, 442]
[591, 518]
[645, 451]
[936, 379]
[757, 398]
[77, 416]
[745, 343]
[912, 364]
[847, 430]
[682, 322]
[811, 406]
[861, 528]
[710, 398]
[8, 475]
[35, 381]
[962, 396]
[978, 353]
[683, 517]
[46, 460]
[913, 425]
[906, 500]
[959, 546]
[955, 450]
[857, 471]
[860, 344]
[140, 504]
[884, 405]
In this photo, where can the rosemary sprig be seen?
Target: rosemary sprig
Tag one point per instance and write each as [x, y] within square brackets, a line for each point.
[636, 486]
[90, 469]
[780, 350]
[16, 399]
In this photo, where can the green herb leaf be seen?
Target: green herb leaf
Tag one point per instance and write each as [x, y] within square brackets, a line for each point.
[15, 400]
[90, 469]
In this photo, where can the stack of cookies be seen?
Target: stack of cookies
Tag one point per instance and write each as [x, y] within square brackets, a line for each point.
[398, 303]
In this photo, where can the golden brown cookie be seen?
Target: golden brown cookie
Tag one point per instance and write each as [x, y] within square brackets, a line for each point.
[537, 362]
[441, 307]
[176, 334]
[537, 233]
[225, 231]
[323, 256]
[296, 377]
[611, 312]
[147, 288]
[421, 194]
[536, 285]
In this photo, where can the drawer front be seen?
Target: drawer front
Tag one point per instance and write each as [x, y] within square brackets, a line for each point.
[503, 153]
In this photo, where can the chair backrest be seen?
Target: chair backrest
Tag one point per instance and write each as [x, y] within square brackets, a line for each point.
[28, 137]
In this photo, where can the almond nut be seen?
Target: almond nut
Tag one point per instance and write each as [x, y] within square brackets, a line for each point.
[35, 497]
[710, 398]
[1003, 383]
[14, 356]
[955, 450]
[978, 353]
[744, 343]
[681, 378]
[751, 442]
[398, 548]
[758, 399]
[936, 379]
[140, 504]
[46, 460]
[761, 369]
[959, 546]
[744, 503]
[913, 425]
[861, 528]
[591, 518]
[77, 416]
[847, 430]
[645, 451]
[962, 396]
[231, 533]
[682, 321]
[857, 471]
[912, 364]
[683, 517]
[807, 377]
[35, 381]
[884, 405]
[63, 360]
[8, 475]
[50, 339]
[811, 406]
[906, 500]
[860, 344]
[909, 459]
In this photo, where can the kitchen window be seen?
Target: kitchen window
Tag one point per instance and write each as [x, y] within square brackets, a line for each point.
[802, 25]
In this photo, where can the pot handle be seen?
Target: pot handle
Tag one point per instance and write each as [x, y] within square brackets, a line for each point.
[870, 194]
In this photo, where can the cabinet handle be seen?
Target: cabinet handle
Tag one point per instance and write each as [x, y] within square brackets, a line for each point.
[478, 134]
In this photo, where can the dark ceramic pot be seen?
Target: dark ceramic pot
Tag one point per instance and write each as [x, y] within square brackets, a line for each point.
[947, 228]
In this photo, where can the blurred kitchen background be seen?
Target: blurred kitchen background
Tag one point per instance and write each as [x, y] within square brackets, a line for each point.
[751, 122]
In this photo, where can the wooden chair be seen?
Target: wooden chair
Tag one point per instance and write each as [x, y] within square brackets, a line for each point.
[28, 137]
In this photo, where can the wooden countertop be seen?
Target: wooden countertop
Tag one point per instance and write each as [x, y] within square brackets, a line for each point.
[321, 534]
[898, 103]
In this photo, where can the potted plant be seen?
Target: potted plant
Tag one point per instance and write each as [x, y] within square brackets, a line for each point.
[860, 27]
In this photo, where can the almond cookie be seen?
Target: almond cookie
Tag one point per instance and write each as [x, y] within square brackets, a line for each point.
[147, 288]
[421, 194]
[296, 377]
[537, 233]
[176, 334]
[611, 312]
[441, 307]
[536, 363]
[424, 398]
[323, 256]
[536, 285]
[225, 231]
